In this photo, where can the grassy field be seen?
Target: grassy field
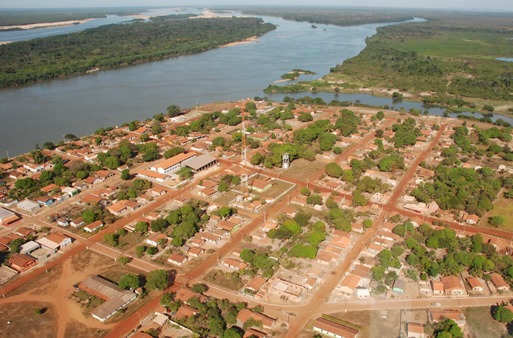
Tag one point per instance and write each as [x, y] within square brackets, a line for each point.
[299, 169]
[481, 324]
[502, 207]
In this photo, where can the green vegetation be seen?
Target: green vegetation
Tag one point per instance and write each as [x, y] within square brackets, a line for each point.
[157, 280]
[119, 45]
[259, 262]
[440, 252]
[296, 73]
[332, 16]
[214, 317]
[454, 57]
[502, 314]
[16, 17]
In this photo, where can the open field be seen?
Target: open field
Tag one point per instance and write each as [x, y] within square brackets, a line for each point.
[481, 324]
[301, 169]
[24, 323]
[502, 207]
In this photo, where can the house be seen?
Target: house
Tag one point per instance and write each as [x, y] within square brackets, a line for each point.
[475, 284]
[152, 175]
[21, 262]
[7, 216]
[453, 286]
[260, 185]
[348, 285]
[255, 284]
[333, 329]
[195, 251]
[177, 259]
[104, 174]
[438, 288]
[499, 282]
[117, 208]
[436, 315]
[76, 223]
[184, 294]
[234, 264]
[415, 330]
[91, 199]
[154, 239]
[245, 314]
[471, 219]
[28, 206]
[45, 201]
[93, 226]
[362, 293]
[252, 333]
[60, 239]
[29, 247]
[25, 232]
[185, 311]
[157, 191]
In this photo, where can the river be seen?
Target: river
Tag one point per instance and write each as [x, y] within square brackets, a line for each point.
[79, 105]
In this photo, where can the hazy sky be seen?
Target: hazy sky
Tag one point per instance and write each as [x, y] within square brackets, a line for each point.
[458, 4]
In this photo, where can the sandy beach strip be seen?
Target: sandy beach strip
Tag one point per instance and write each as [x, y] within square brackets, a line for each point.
[45, 24]
[251, 39]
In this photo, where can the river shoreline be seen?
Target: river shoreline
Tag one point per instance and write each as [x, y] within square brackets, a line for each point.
[45, 24]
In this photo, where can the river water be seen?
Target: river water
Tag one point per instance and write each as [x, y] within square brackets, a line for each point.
[79, 105]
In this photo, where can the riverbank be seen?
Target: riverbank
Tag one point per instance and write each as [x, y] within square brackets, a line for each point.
[251, 39]
[45, 25]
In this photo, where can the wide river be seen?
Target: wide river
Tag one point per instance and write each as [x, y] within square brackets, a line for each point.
[79, 105]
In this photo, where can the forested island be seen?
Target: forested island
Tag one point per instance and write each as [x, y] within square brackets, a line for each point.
[449, 60]
[120, 45]
[24, 17]
[333, 16]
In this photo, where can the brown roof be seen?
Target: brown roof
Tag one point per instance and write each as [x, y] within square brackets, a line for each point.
[335, 328]
[437, 286]
[21, 261]
[24, 231]
[256, 283]
[245, 314]
[184, 294]
[185, 311]
[57, 238]
[174, 160]
[474, 282]
[451, 283]
[254, 333]
[361, 270]
[498, 281]
[351, 281]
[440, 314]
[90, 198]
[235, 263]
[415, 328]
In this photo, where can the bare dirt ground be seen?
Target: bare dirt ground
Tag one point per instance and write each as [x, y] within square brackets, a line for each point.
[64, 317]
[24, 323]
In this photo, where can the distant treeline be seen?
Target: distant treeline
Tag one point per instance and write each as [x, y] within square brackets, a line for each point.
[119, 45]
[27, 17]
[332, 16]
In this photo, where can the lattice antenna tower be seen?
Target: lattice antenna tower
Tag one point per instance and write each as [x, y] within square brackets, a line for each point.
[244, 149]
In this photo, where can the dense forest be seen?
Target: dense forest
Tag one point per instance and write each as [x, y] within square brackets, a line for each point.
[332, 16]
[120, 45]
[26, 17]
